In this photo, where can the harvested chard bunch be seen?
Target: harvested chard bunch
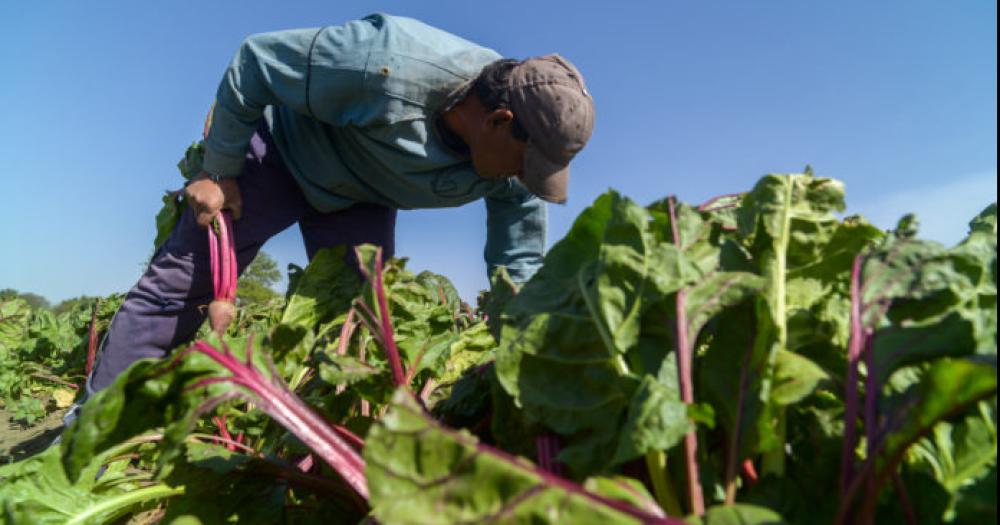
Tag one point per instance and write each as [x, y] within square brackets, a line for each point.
[222, 254]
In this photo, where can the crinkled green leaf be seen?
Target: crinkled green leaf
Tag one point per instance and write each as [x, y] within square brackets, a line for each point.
[804, 252]
[227, 487]
[740, 514]
[947, 387]
[345, 370]
[624, 489]
[419, 472]
[323, 293]
[194, 157]
[657, 420]
[795, 377]
[595, 322]
[148, 395]
[961, 453]
[38, 491]
[986, 221]
[167, 217]
[492, 302]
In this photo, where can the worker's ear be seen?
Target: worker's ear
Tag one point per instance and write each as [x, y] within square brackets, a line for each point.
[499, 118]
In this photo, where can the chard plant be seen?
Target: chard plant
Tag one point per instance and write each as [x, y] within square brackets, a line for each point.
[756, 359]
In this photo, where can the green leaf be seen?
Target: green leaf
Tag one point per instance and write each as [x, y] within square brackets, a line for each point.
[194, 157]
[946, 388]
[167, 217]
[226, 487]
[740, 514]
[804, 253]
[492, 302]
[795, 377]
[589, 328]
[345, 370]
[986, 221]
[419, 472]
[657, 420]
[960, 454]
[148, 395]
[38, 491]
[323, 293]
[624, 489]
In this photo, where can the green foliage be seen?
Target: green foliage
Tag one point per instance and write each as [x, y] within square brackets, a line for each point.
[420, 472]
[769, 291]
[43, 351]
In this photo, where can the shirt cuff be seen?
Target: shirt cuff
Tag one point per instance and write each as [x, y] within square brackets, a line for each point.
[222, 165]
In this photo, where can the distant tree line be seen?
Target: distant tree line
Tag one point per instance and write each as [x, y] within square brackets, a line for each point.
[255, 286]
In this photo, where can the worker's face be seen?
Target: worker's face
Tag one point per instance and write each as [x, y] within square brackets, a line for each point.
[495, 151]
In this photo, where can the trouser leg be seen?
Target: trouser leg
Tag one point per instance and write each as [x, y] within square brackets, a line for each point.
[168, 304]
[360, 224]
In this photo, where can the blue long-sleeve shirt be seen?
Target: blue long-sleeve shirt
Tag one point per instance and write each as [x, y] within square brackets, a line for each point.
[353, 110]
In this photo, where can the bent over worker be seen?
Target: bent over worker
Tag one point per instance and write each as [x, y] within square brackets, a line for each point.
[335, 129]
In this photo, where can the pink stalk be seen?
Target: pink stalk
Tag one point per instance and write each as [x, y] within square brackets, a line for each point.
[225, 252]
[695, 498]
[92, 341]
[350, 437]
[306, 464]
[428, 388]
[392, 352]
[213, 257]
[222, 258]
[854, 347]
[547, 448]
[734, 440]
[346, 331]
[282, 405]
[220, 423]
[871, 393]
[230, 293]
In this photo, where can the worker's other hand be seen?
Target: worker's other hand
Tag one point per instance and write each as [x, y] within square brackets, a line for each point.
[207, 197]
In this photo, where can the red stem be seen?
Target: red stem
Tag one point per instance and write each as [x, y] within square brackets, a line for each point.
[346, 331]
[871, 392]
[392, 352]
[230, 292]
[295, 416]
[350, 437]
[213, 258]
[695, 497]
[734, 439]
[851, 384]
[92, 341]
[220, 423]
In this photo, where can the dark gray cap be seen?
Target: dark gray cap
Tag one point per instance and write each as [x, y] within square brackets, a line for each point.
[552, 104]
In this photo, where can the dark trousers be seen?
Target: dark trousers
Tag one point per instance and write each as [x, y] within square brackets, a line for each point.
[167, 306]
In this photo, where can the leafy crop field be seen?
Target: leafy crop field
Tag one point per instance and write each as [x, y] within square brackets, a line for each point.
[756, 359]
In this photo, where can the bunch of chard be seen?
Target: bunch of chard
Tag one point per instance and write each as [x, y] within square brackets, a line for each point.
[222, 255]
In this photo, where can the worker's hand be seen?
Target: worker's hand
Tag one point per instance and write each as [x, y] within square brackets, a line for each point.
[207, 197]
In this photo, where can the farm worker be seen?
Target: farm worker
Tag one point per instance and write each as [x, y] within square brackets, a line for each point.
[335, 129]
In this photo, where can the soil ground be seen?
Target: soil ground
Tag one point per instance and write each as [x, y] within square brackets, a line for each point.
[18, 442]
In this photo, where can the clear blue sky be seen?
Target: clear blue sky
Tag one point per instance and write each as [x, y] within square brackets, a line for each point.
[897, 99]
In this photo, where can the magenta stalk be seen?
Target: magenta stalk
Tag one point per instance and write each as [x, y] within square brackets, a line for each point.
[695, 498]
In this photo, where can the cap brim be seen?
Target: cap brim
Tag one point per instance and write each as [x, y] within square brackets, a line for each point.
[546, 179]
